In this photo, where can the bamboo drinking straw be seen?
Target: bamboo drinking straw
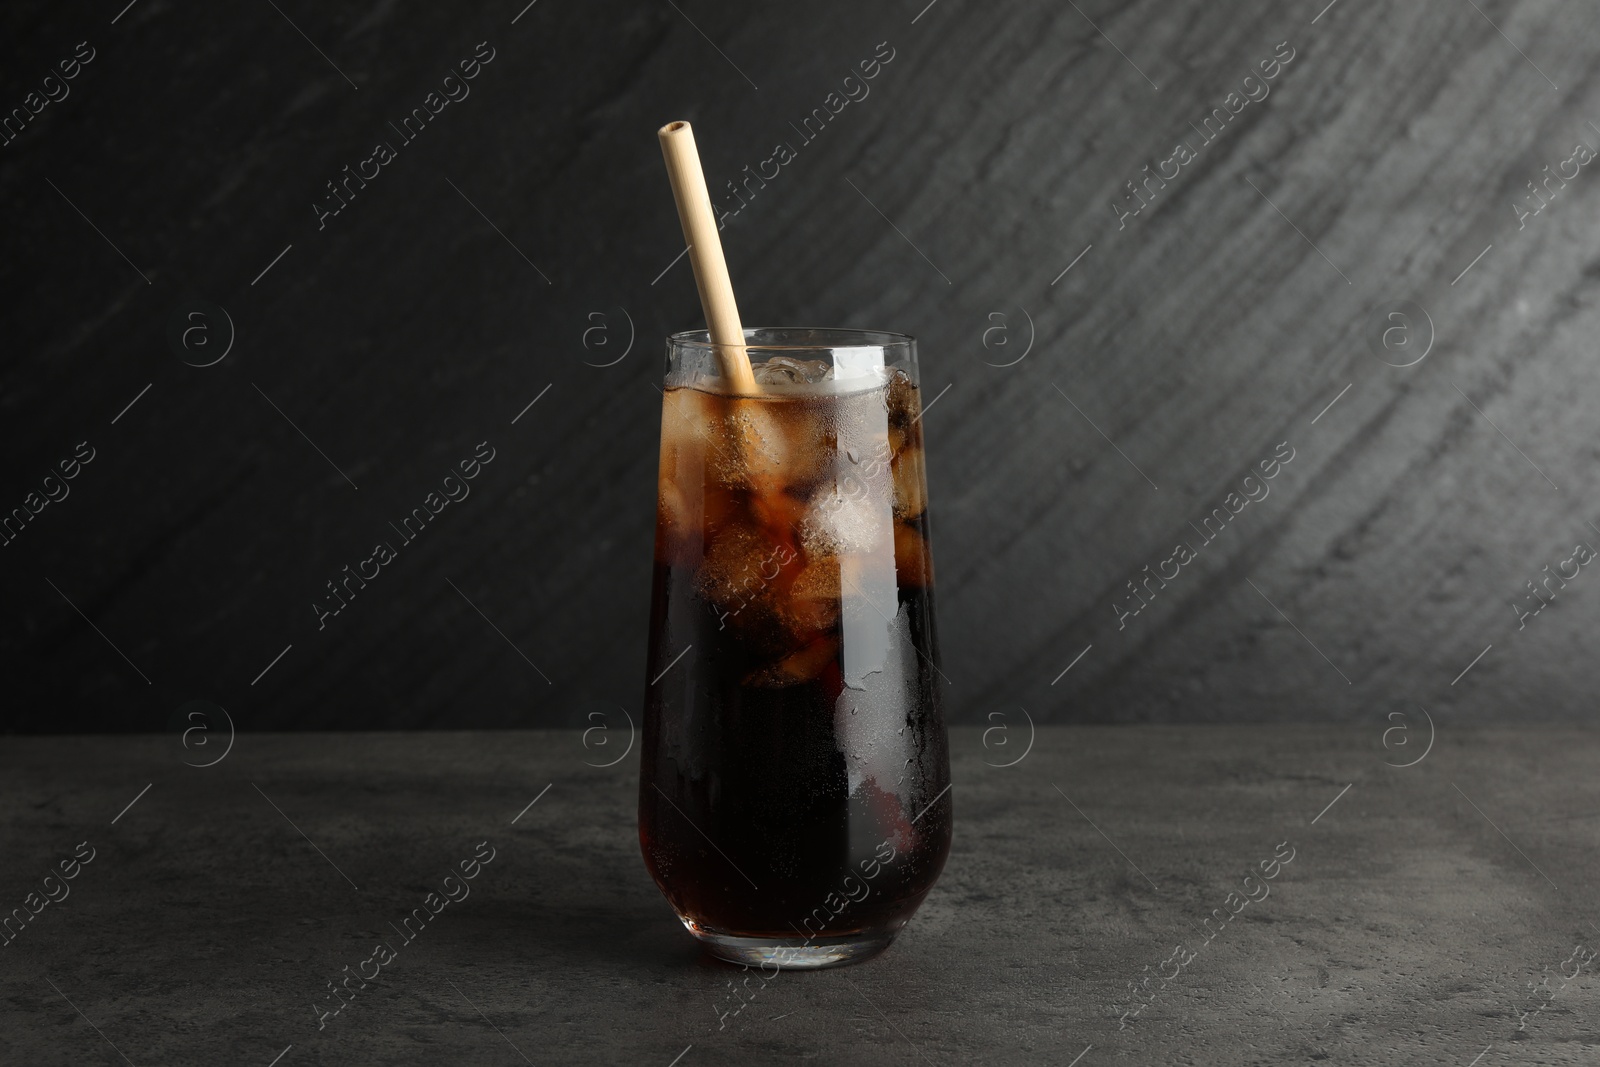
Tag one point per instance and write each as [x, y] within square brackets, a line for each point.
[705, 255]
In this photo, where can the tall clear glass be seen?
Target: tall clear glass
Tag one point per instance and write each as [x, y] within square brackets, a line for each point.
[794, 800]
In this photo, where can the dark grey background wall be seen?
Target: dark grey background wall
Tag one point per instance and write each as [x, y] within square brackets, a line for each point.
[521, 251]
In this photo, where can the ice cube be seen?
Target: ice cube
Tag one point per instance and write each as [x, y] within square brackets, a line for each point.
[730, 574]
[903, 400]
[719, 506]
[677, 526]
[811, 604]
[738, 577]
[777, 509]
[913, 564]
[785, 370]
[910, 484]
[845, 517]
[689, 512]
[687, 418]
[903, 436]
[765, 444]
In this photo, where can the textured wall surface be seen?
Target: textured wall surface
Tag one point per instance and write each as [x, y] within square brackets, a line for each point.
[1105, 369]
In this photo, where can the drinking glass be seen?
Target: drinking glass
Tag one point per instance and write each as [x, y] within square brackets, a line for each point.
[794, 803]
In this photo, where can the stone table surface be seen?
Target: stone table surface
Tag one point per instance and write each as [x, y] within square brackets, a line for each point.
[1425, 909]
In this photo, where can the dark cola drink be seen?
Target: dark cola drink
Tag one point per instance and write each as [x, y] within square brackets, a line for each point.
[794, 804]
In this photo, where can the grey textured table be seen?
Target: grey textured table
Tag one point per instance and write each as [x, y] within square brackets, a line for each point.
[1407, 928]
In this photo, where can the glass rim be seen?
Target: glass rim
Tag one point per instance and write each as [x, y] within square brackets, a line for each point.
[827, 338]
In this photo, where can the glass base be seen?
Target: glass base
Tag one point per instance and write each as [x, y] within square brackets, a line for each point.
[793, 953]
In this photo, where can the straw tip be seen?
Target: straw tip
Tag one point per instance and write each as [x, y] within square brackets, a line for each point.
[673, 127]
